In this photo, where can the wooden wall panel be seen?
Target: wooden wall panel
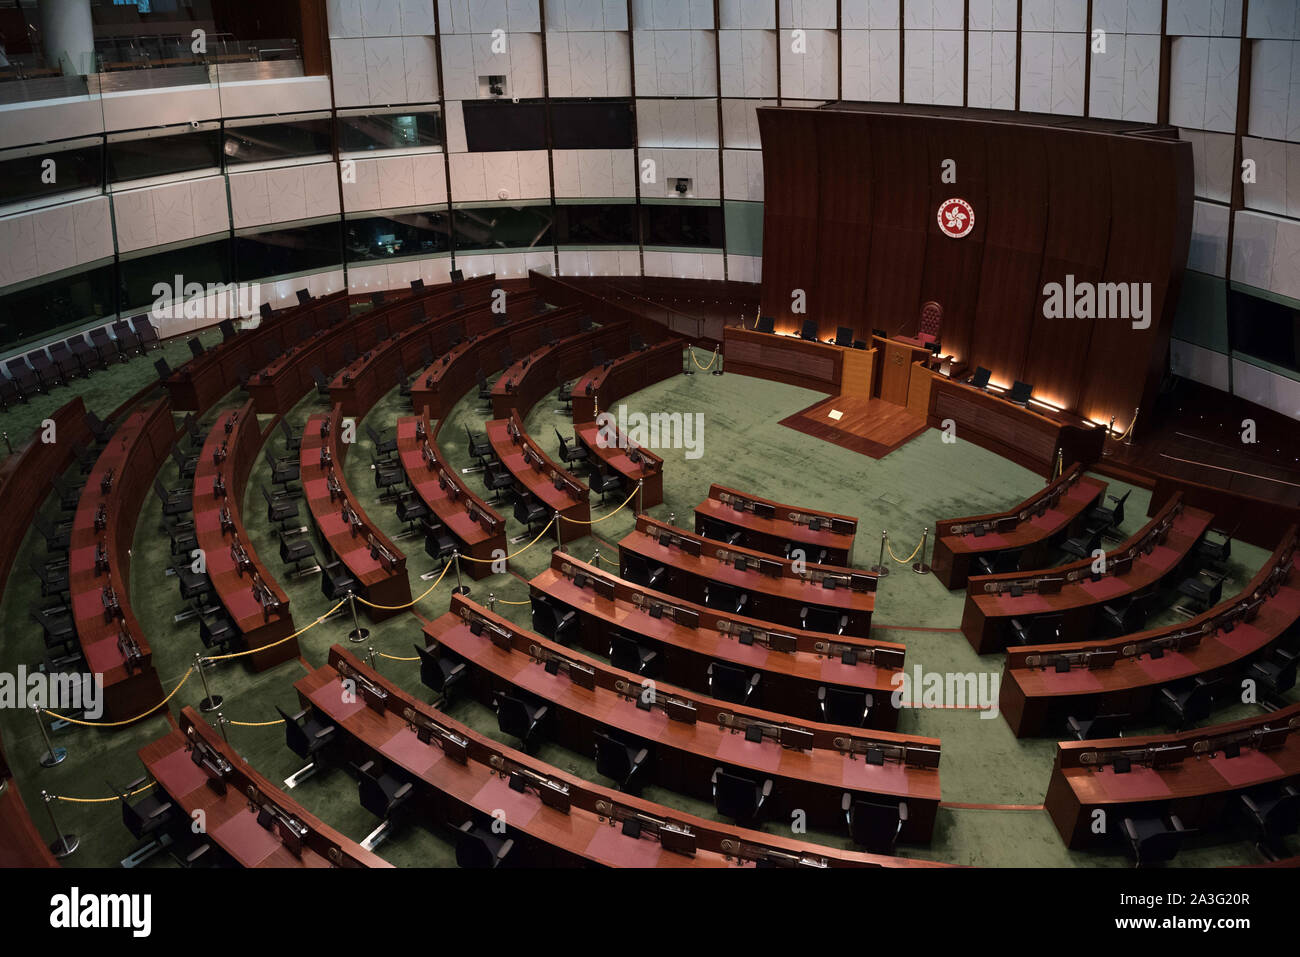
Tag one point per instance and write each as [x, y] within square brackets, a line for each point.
[844, 217]
[900, 157]
[790, 209]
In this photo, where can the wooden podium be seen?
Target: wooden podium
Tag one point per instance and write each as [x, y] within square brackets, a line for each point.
[896, 368]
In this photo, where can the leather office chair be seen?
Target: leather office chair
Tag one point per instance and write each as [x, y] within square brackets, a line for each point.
[218, 635]
[336, 581]
[176, 502]
[571, 450]
[617, 760]
[640, 571]
[410, 510]
[479, 446]
[873, 825]
[717, 595]
[1153, 840]
[322, 383]
[69, 494]
[279, 509]
[1186, 703]
[844, 706]
[185, 464]
[385, 447]
[56, 538]
[478, 847]
[1084, 544]
[306, 733]
[530, 512]
[57, 626]
[520, 719]
[998, 563]
[826, 620]
[292, 439]
[553, 620]
[1039, 630]
[498, 480]
[931, 325]
[1203, 591]
[54, 580]
[382, 793]
[296, 549]
[439, 671]
[1275, 672]
[604, 483]
[283, 470]
[626, 654]
[732, 683]
[484, 389]
[1274, 813]
[438, 542]
[719, 532]
[1112, 517]
[1097, 727]
[1211, 552]
[1123, 617]
[148, 816]
[739, 798]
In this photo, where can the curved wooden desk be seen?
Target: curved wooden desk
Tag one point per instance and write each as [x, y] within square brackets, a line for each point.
[777, 592]
[769, 526]
[378, 565]
[1121, 676]
[1144, 560]
[538, 475]
[1034, 527]
[247, 816]
[556, 819]
[99, 562]
[793, 664]
[534, 375]
[477, 528]
[598, 389]
[253, 599]
[1187, 774]
[810, 775]
[613, 449]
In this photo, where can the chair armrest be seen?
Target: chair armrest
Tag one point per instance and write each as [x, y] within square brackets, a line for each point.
[767, 788]
[539, 714]
[1130, 829]
[641, 755]
[846, 800]
[160, 810]
[505, 847]
[367, 768]
[1177, 822]
[325, 732]
[402, 792]
[902, 811]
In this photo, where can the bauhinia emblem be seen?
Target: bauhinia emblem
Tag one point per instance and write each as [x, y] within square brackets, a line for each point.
[956, 218]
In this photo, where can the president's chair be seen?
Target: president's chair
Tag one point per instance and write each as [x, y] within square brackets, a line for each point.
[931, 326]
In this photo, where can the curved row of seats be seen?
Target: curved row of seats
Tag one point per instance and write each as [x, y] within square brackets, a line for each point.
[59, 363]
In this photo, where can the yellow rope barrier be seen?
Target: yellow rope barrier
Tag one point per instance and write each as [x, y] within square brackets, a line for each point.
[502, 601]
[395, 657]
[908, 559]
[488, 561]
[255, 724]
[691, 350]
[597, 521]
[608, 562]
[72, 800]
[412, 602]
[118, 724]
[300, 631]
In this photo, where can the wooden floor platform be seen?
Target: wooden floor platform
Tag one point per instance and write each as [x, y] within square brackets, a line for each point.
[873, 427]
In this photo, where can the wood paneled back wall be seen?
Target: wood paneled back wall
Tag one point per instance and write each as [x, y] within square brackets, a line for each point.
[850, 217]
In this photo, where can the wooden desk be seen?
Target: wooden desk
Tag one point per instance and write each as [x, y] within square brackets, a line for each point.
[686, 753]
[788, 359]
[790, 678]
[1027, 436]
[382, 579]
[1201, 789]
[442, 385]
[777, 592]
[535, 375]
[769, 526]
[260, 613]
[1034, 527]
[537, 474]
[21, 844]
[600, 388]
[1158, 551]
[230, 807]
[132, 457]
[1120, 676]
[281, 385]
[613, 449]
[479, 531]
[898, 364]
[461, 770]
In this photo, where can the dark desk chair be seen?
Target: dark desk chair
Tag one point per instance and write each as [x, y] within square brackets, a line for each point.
[1186, 703]
[1274, 672]
[322, 383]
[403, 382]
[439, 544]
[484, 389]
[1112, 517]
[218, 636]
[1097, 727]
[57, 627]
[732, 683]
[1211, 552]
[1123, 617]
[640, 571]
[145, 333]
[478, 847]
[69, 494]
[980, 379]
[85, 458]
[194, 435]
[100, 430]
[283, 470]
[998, 563]
[1275, 814]
[382, 793]
[56, 538]
[530, 512]
[739, 798]
[1040, 630]
[564, 391]
[185, 464]
[176, 502]
[163, 368]
[720, 532]
[618, 761]
[279, 509]
[571, 450]
[629, 655]
[183, 541]
[873, 825]
[498, 480]
[553, 620]
[847, 707]
[228, 330]
[389, 477]
[147, 819]
[717, 595]
[194, 588]
[439, 671]
[336, 581]
[307, 735]
[292, 439]
[479, 446]
[296, 549]
[604, 483]
[1084, 544]
[827, 620]
[1153, 840]
[410, 510]
[520, 719]
[1203, 590]
[385, 447]
[54, 580]
[196, 347]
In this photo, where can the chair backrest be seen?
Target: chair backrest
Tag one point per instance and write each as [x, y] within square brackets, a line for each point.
[373, 796]
[1160, 847]
[545, 619]
[846, 706]
[624, 653]
[431, 673]
[472, 851]
[513, 717]
[981, 378]
[612, 759]
[823, 619]
[730, 682]
[874, 825]
[1283, 817]
[294, 736]
[735, 796]
[931, 320]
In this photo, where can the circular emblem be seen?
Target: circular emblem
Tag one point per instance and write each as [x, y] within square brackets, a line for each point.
[956, 218]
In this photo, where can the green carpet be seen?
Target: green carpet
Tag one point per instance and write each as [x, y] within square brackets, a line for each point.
[743, 447]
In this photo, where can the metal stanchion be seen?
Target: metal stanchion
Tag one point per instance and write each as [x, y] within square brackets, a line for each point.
[920, 566]
[8, 445]
[492, 601]
[559, 537]
[1128, 438]
[221, 723]
[357, 634]
[52, 755]
[371, 656]
[672, 518]
[690, 361]
[1110, 431]
[717, 361]
[461, 588]
[65, 844]
[640, 496]
[210, 702]
[880, 568]
[595, 559]
[1058, 465]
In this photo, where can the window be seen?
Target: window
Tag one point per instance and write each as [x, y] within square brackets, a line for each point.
[591, 224]
[494, 125]
[592, 125]
[1265, 329]
[389, 131]
[269, 142]
[22, 178]
[503, 227]
[163, 155]
[42, 310]
[682, 225]
[373, 238]
[282, 252]
[203, 262]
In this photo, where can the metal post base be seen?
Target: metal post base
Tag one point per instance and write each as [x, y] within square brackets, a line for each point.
[473, 470]
[53, 756]
[149, 850]
[880, 571]
[358, 635]
[921, 568]
[211, 703]
[376, 837]
[431, 575]
[65, 845]
[302, 774]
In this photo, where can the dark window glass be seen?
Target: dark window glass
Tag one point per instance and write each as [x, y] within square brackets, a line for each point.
[612, 224]
[279, 252]
[494, 125]
[592, 125]
[682, 226]
[277, 141]
[390, 131]
[21, 179]
[1264, 329]
[202, 263]
[391, 237]
[503, 227]
[164, 155]
[39, 312]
